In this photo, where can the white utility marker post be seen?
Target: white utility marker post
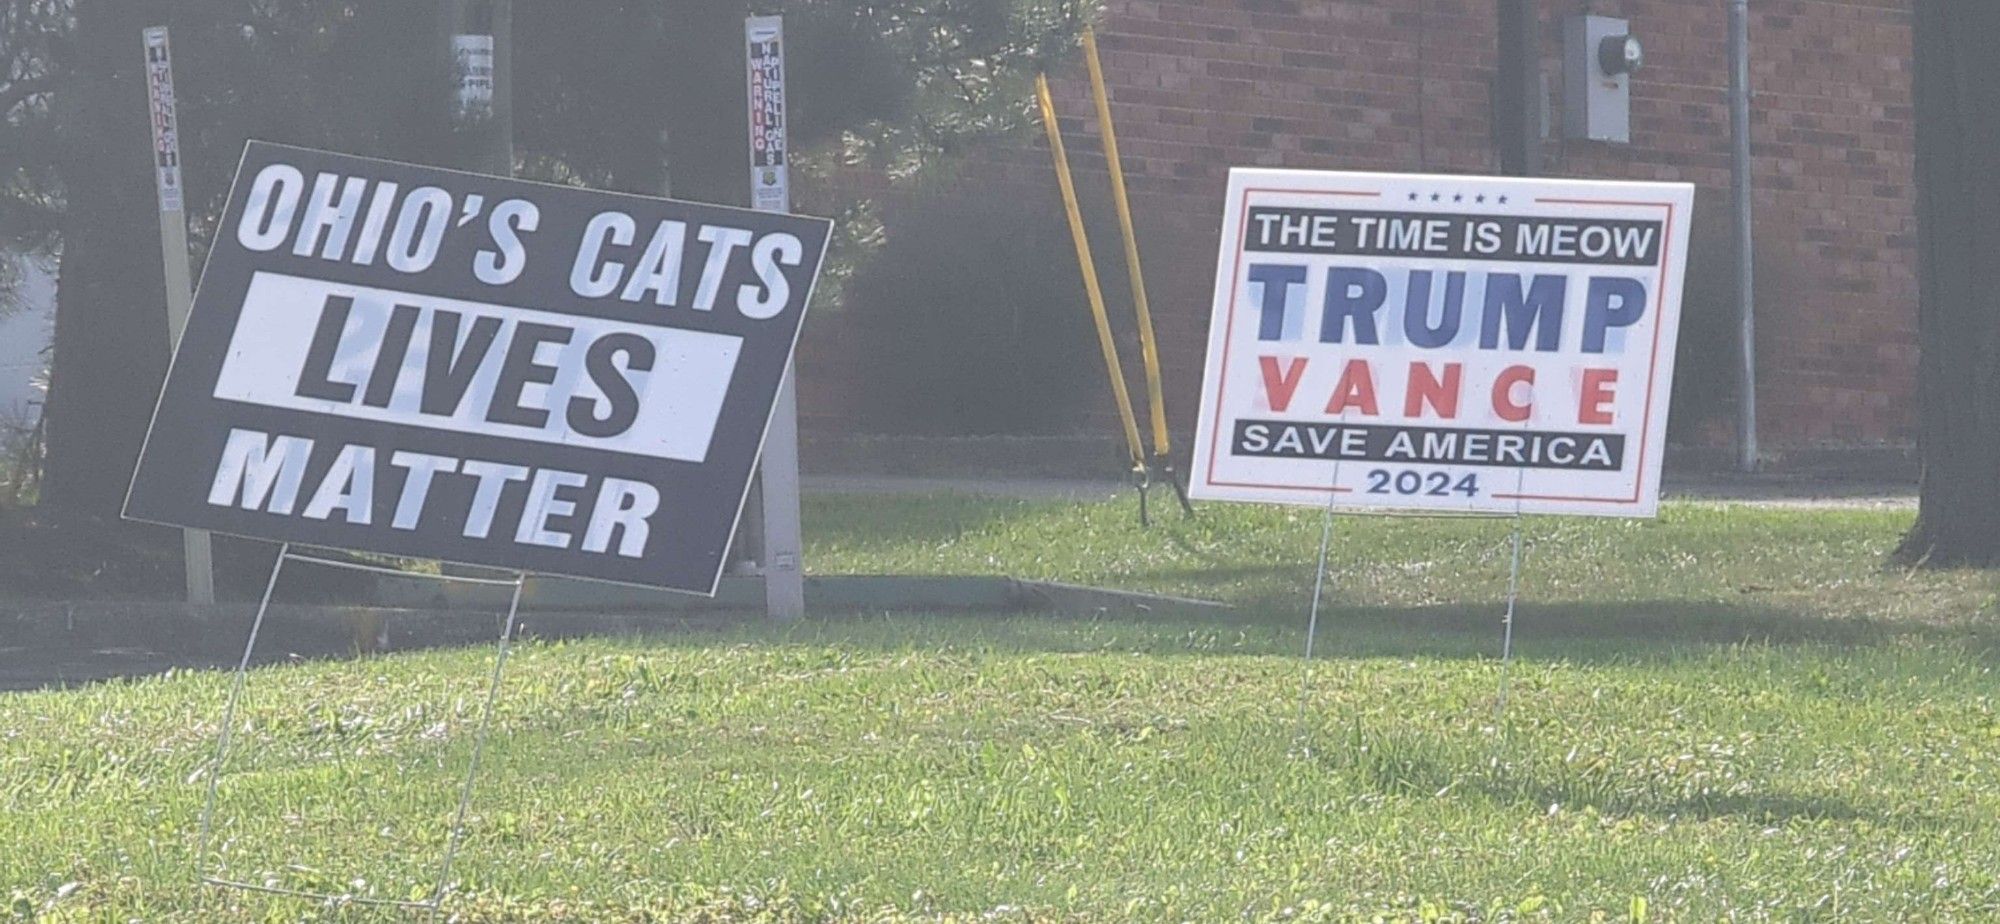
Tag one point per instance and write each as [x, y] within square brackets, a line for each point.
[771, 191]
[174, 255]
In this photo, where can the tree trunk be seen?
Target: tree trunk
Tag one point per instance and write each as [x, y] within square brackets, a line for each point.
[1957, 95]
[111, 319]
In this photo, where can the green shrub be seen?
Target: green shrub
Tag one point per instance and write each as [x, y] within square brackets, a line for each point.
[20, 460]
[972, 318]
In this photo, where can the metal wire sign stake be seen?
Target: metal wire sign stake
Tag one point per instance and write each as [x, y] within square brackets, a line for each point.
[1319, 587]
[454, 837]
[1513, 596]
[1312, 617]
[357, 373]
[1395, 344]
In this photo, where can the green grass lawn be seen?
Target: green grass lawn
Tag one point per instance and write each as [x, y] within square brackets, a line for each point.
[1727, 714]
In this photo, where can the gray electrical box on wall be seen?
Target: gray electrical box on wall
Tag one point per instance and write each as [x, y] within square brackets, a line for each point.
[1599, 57]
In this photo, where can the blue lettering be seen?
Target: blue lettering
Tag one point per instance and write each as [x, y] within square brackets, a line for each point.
[1417, 310]
[1352, 293]
[1614, 301]
[1278, 282]
[1541, 309]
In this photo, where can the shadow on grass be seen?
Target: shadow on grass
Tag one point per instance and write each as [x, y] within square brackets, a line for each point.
[1654, 623]
[857, 522]
[1402, 766]
[1654, 630]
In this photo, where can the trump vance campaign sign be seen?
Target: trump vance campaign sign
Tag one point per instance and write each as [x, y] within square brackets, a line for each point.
[1470, 344]
[422, 362]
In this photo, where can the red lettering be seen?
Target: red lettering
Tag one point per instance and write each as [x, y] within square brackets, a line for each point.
[1597, 393]
[1278, 387]
[1356, 389]
[1426, 389]
[1504, 405]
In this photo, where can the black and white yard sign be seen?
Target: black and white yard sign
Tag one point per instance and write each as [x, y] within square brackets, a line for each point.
[1448, 343]
[421, 362]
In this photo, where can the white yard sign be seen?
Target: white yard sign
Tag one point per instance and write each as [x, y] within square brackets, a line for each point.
[1442, 343]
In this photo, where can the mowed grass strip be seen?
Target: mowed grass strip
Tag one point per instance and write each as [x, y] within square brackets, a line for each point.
[1726, 714]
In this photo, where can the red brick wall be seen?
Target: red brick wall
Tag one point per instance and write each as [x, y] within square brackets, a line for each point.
[1203, 85]
[1834, 152]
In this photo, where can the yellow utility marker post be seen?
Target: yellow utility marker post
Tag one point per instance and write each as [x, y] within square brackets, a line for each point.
[1090, 283]
[1149, 349]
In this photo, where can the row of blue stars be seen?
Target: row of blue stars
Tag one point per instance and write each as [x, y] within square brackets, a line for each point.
[1460, 197]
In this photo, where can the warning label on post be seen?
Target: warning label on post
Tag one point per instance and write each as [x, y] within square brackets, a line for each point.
[770, 167]
[166, 129]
